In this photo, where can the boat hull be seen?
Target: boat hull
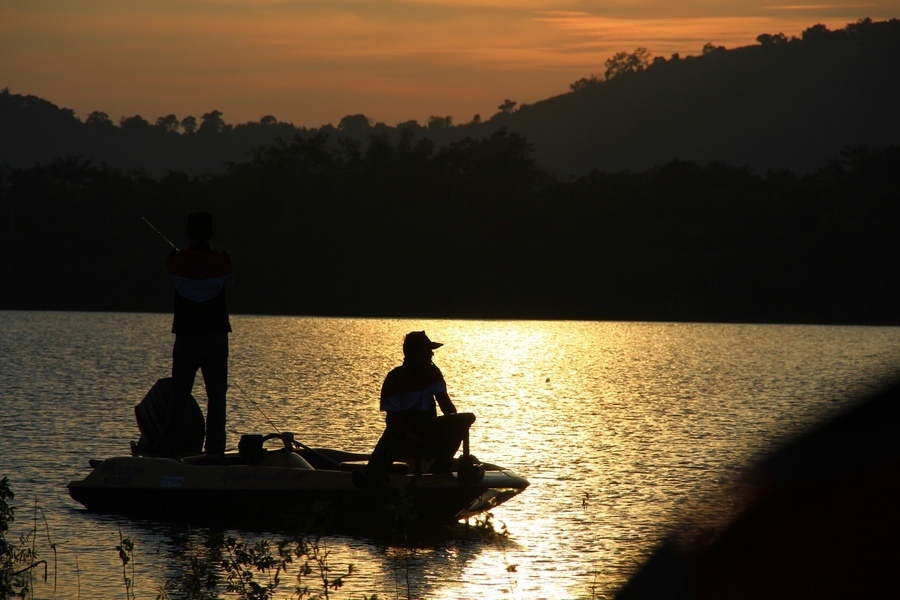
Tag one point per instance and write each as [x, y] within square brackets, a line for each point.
[285, 497]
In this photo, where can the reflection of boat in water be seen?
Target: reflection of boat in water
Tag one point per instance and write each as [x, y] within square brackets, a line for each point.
[285, 486]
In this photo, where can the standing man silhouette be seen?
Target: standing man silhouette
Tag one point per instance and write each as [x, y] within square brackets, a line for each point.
[201, 327]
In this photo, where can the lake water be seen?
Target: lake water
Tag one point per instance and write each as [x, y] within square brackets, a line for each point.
[624, 430]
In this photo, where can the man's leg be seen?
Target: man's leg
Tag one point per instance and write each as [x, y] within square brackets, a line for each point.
[377, 466]
[185, 362]
[215, 378]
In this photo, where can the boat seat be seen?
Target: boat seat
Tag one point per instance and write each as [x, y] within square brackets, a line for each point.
[396, 468]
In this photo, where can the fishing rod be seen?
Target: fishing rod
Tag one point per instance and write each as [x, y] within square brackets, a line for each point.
[159, 233]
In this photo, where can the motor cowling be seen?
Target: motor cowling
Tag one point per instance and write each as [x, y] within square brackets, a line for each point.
[284, 459]
[151, 415]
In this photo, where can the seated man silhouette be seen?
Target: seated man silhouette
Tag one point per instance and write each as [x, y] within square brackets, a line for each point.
[409, 397]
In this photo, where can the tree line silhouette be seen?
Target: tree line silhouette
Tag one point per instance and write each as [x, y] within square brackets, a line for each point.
[473, 229]
[722, 106]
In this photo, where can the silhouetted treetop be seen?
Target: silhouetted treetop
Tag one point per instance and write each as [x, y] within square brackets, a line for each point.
[169, 123]
[624, 63]
[189, 124]
[765, 39]
[99, 119]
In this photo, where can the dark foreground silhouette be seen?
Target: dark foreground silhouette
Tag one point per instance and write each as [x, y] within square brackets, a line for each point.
[821, 522]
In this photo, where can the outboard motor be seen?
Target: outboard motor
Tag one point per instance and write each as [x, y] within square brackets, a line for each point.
[151, 419]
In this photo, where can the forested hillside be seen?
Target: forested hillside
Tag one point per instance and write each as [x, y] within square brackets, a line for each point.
[653, 193]
[782, 104]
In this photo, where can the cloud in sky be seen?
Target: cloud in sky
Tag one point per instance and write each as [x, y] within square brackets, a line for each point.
[312, 62]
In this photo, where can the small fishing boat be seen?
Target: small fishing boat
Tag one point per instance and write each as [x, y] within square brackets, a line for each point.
[296, 486]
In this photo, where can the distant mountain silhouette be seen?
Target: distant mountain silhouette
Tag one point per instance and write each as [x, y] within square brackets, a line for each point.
[790, 105]
[783, 104]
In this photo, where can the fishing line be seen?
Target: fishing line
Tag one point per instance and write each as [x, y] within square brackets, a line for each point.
[159, 233]
[256, 406]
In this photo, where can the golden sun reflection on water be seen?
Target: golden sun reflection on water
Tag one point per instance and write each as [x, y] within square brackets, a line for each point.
[621, 428]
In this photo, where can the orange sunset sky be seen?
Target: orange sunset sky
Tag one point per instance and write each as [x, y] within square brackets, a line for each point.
[312, 62]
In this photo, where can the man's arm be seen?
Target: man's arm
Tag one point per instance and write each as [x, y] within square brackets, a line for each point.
[445, 403]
